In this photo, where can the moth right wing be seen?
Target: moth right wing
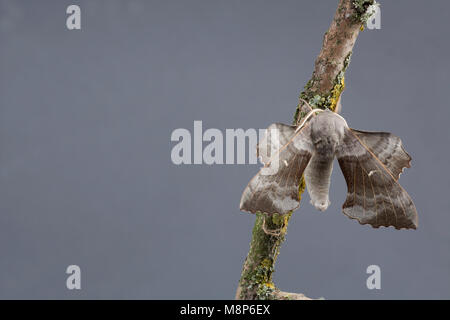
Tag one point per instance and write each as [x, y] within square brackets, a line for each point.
[374, 196]
[275, 189]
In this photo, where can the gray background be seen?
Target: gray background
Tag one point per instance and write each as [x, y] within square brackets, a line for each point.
[85, 170]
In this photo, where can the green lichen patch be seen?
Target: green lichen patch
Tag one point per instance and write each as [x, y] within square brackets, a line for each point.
[324, 101]
[362, 14]
[257, 283]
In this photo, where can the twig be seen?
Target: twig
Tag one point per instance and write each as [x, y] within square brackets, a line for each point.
[322, 91]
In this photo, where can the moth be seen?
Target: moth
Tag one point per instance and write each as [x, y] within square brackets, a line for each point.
[371, 163]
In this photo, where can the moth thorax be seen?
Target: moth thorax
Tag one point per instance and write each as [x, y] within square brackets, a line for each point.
[325, 143]
[326, 133]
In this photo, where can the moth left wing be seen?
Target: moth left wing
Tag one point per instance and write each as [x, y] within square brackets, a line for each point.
[275, 189]
[374, 196]
[276, 136]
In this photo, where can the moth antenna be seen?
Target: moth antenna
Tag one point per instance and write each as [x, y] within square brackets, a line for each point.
[342, 118]
[338, 107]
[306, 102]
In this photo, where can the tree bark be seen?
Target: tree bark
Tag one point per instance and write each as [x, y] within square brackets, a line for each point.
[323, 91]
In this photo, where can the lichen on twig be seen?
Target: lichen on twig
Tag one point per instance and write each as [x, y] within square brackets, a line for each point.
[323, 91]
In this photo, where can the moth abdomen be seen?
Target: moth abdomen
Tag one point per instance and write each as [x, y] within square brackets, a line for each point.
[317, 179]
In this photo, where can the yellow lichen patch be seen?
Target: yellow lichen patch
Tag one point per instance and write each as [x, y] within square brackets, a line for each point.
[301, 188]
[286, 222]
[270, 285]
[336, 93]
